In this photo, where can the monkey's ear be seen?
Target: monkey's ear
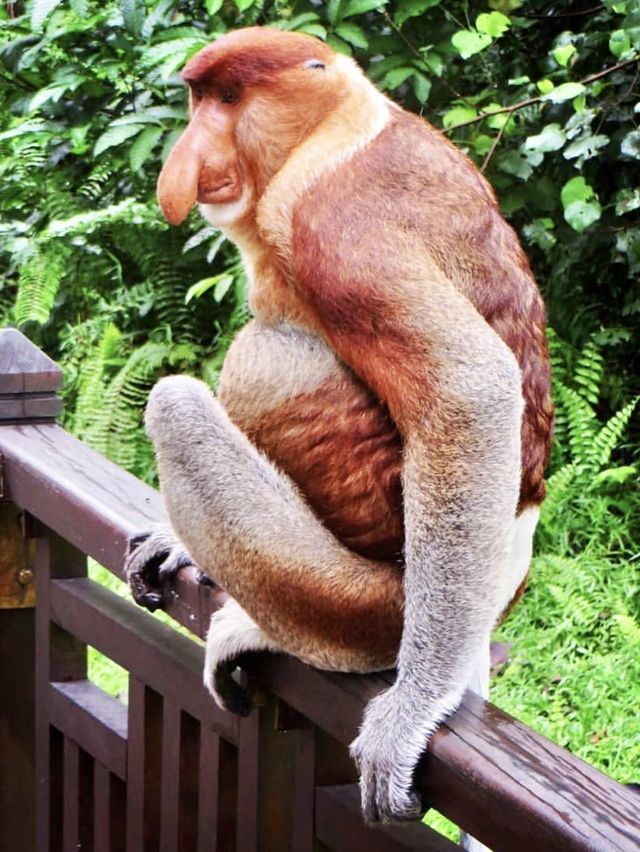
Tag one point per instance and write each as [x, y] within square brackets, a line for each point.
[178, 181]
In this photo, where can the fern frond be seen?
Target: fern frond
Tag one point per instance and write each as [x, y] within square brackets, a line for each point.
[629, 628]
[93, 187]
[582, 424]
[39, 281]
[588, 372]
[558, 487]
[91, 386]
[607, 438]
[117, 429]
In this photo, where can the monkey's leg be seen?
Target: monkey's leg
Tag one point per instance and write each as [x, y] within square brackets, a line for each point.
[247, 526]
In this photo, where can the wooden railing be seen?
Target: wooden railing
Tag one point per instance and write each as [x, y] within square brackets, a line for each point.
[170, 771]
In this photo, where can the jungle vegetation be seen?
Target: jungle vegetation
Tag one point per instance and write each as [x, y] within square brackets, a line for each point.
[544, 96]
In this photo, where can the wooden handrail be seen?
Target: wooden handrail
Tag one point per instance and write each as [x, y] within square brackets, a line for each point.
[498, 779]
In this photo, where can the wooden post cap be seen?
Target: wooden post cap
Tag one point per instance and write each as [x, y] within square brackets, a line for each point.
[29, 380]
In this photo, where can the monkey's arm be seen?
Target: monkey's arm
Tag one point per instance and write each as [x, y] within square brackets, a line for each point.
[454, 390]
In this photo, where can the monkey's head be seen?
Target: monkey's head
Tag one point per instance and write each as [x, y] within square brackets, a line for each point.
[255, 95]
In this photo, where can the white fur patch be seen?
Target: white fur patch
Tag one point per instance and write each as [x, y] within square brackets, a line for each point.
[225, 216]
[232, 632]
[520, 550]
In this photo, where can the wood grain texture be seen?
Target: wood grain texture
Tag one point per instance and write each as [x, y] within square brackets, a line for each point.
[95, 720]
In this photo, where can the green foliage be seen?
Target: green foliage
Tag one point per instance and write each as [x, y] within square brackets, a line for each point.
[543, 97]
[592, 503]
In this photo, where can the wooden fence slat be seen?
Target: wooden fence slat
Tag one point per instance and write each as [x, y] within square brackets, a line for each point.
[95, 720]
[144, 768]
[189, 773]
[169, 663]
[59, 655]
[109, 809]
[303, 802]
[101, 808]
[339, 826]
[248, 767]
[71, 796]
[170, 777]
[208, 785]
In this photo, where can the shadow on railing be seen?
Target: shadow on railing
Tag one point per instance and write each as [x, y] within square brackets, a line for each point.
[169, 770]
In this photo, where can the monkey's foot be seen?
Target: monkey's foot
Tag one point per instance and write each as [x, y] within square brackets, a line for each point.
[153, 558]
[393, 736]
[232, 633]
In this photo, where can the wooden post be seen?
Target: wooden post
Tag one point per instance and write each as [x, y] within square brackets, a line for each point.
[28, 384]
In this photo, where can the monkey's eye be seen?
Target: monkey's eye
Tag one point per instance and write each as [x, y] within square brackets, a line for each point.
[228, 96]
[314, 63]
[198, 93]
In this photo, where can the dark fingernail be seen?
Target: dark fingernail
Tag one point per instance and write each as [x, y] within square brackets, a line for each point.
[151, 601]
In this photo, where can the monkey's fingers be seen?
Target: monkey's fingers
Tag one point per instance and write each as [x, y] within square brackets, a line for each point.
[153, 558]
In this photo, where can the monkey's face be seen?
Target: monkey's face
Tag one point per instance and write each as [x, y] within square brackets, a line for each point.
[254, 96]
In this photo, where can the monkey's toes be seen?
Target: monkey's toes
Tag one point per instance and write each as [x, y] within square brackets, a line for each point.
[204, 579]
[228, 693]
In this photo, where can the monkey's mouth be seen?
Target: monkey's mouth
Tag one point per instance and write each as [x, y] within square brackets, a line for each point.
[222, 193]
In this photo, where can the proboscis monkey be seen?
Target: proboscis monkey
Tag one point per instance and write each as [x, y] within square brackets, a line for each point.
[367, 483]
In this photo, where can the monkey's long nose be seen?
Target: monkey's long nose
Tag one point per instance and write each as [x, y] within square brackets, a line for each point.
[178, 181]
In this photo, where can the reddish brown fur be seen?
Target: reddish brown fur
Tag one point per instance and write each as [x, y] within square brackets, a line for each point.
[252, 57]
[481, 251]
[341, 448]
[348, 462]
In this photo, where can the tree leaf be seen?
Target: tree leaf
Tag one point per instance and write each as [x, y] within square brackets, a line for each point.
[576, 189]
[494, 24]
[406, 9]
[213, 6]
[41, 10]
[551, 138]
[143, 146]
[360, 7]
[470, 42]
[581, 214]
[338, 44]
[421, 87]
[630, 145]
[51, 93]
[334, 11]
[352, 34]
[133, 13]
[514, 163]
[585, 147]
[115, 136]
[564, 92]
[627, 200]
[619, 43]
[222, 287]
[458, 115]
[563, 54]
[397, 77]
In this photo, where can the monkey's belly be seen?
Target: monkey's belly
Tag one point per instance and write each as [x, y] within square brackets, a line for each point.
[341, 448]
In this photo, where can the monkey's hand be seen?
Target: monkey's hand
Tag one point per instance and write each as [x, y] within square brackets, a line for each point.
[393, 736]
[232, 633]
[153, 558]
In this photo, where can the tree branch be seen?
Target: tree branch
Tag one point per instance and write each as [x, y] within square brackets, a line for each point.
[529, 101]
[495, 144]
